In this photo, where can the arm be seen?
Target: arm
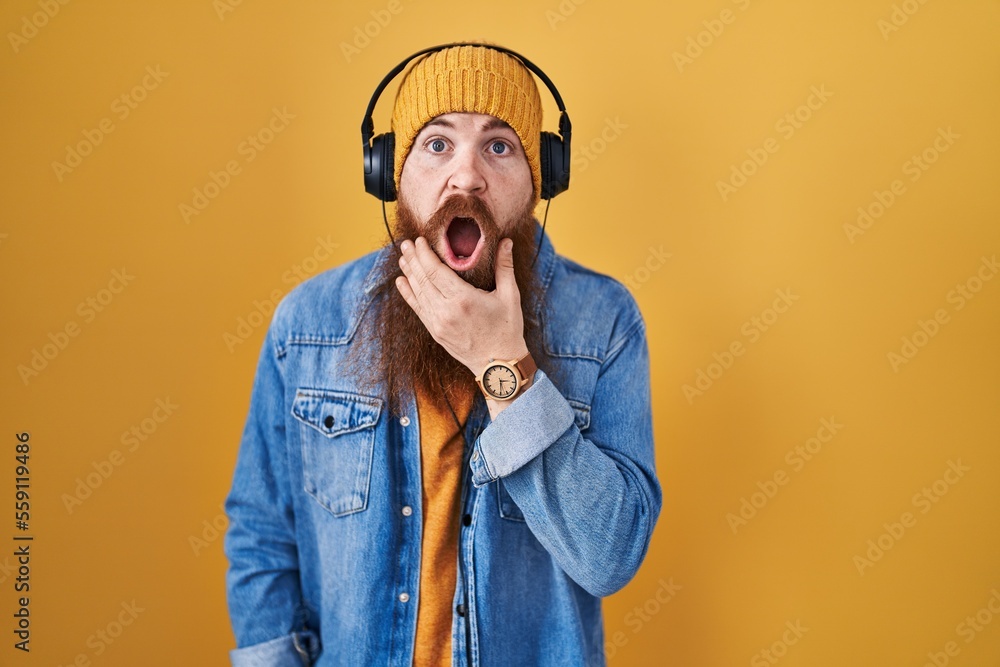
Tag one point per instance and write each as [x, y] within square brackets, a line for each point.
[591, 499]
[265, 599]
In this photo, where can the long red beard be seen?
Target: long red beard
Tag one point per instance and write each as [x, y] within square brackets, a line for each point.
[393, 346]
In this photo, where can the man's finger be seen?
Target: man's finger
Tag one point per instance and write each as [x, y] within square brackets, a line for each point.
[403, 286]
[420, 282]
[437, 272]
[505, 267]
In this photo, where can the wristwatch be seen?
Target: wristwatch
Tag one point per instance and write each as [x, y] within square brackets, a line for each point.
[504, 380]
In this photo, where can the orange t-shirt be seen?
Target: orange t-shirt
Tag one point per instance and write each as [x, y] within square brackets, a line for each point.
[441, 447]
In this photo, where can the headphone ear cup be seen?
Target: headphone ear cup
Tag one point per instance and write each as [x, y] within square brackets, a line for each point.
[543, 153]
[379, 179]
[555, 165]
[388, 168]
[373, 166]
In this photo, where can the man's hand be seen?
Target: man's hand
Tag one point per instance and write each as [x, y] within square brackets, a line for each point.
[472, 325]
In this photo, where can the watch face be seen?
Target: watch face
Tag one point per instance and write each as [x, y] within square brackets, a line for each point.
[499, 381]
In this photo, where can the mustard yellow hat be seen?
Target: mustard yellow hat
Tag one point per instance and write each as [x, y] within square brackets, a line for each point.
[474, 79]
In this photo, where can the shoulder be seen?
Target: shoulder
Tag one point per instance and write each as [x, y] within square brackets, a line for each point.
[586, 312]
[325, 307]
[599, 288]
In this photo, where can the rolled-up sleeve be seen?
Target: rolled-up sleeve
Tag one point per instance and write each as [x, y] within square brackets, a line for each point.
[521, 432]
[295, 650]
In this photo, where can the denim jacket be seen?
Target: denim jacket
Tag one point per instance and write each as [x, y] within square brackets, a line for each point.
[559, 495]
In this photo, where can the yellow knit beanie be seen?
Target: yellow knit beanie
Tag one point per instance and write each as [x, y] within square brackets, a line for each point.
[474, 79]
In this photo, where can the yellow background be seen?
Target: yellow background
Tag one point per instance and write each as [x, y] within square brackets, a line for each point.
[648, 188]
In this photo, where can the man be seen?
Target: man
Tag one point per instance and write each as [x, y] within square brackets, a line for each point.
[410, 490]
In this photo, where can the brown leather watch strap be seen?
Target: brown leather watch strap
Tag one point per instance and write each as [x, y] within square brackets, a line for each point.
[526, 366]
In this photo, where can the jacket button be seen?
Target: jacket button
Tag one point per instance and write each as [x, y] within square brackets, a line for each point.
[467, 520]
[407, 510]
[404, 421]
[460, 609]
[475, 455]
[328, 422]
[404, 597]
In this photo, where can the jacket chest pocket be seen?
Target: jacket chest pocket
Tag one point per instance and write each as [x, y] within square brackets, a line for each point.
[337, 430]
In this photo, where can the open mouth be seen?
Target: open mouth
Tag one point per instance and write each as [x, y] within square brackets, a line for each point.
[463, 242]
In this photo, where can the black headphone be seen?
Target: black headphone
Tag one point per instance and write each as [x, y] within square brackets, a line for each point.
[379, 150]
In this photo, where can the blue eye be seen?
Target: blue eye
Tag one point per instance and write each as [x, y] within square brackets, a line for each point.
[437, 146]
[499, 147]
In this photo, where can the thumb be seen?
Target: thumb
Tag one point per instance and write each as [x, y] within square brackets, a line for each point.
[505, 266]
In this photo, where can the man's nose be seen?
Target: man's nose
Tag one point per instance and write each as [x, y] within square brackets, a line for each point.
[467, 172]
